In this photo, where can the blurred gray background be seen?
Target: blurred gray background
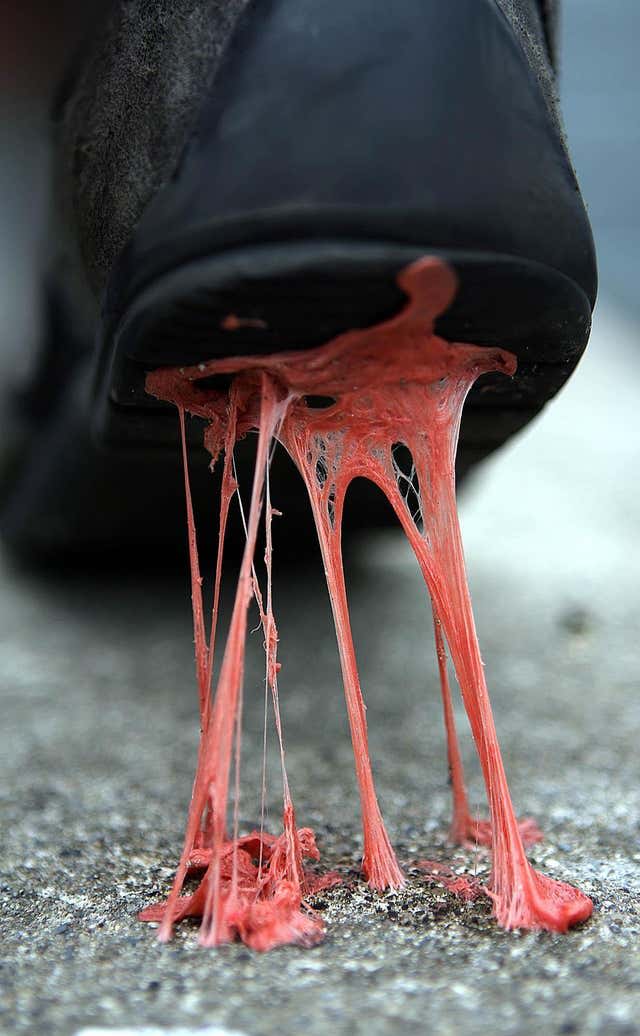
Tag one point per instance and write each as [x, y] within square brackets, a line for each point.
[599, 86]
[98, 721]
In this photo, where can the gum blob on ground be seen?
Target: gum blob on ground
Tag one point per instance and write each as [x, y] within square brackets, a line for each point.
[383, 403]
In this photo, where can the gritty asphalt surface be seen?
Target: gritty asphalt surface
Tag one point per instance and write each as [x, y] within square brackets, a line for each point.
[97, 752]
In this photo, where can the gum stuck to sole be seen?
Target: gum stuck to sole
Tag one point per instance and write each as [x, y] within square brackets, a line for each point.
[392, 401]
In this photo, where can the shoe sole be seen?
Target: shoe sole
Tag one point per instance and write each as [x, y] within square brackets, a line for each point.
[106, 432]
[299, 295]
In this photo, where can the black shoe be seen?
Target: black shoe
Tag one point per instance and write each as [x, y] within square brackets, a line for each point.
[282, 160]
